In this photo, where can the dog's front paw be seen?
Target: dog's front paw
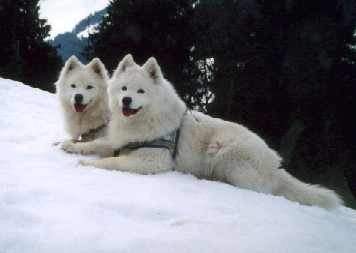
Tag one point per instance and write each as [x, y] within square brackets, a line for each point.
[69, 147]
[85, 163]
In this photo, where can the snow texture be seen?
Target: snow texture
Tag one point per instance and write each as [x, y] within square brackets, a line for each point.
[91, 29]
[48, 203]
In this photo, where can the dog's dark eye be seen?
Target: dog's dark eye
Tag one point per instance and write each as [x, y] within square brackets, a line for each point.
[73, 86]
[124, 88]
[140, 91]
[89, 87]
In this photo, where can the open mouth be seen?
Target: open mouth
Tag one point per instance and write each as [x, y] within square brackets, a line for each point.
[127, 111]
[79, 107]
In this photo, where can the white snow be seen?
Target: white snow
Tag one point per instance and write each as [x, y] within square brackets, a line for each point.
[91, 29]
[50, 204]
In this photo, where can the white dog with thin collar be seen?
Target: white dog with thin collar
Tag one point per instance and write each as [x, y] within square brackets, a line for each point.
[81, 90]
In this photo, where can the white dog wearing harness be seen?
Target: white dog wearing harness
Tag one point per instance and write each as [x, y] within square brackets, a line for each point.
[152, 131]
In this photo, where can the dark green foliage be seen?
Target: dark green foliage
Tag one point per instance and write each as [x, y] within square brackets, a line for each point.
[25, 56]
[285, 69]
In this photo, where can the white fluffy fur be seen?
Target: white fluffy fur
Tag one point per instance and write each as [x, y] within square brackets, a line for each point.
[97, 111]
[208, 147]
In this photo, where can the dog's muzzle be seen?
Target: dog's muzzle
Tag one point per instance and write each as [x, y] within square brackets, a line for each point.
[127, 111]
[126, 107]
[78, 103]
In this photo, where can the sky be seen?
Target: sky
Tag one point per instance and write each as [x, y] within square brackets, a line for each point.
[63, 15]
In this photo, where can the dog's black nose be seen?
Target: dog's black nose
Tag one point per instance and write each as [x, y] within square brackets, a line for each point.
[78, 98]
[127, 101]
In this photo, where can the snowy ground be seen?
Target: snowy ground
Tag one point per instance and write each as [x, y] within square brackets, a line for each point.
[50, 204]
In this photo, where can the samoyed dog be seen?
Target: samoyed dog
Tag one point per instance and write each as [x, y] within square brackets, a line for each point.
[82, 92]
[152, 131]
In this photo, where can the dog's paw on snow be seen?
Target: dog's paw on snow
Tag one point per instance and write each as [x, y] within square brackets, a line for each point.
[72, 147]
[69, 147]
[85, 163]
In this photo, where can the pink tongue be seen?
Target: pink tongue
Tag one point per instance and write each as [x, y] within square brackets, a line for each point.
[128, 112]
[79, 107]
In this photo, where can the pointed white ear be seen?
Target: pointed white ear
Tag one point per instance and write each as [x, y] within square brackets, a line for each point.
[125, 63]
[71, 64]
[98, 68]
[152, 68]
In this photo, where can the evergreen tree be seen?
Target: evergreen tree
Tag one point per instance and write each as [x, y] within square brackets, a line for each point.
[26, 56]
[285, 69]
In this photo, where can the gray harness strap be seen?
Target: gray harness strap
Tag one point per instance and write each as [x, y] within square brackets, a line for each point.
[169, 141]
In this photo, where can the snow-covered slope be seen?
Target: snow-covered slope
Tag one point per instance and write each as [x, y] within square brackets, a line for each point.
[50, 204]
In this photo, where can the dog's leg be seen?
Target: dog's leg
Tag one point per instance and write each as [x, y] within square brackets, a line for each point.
[239, 173]
[140, 165]
[260, 172]
[99, 146]
[240, 166]
[63, 142]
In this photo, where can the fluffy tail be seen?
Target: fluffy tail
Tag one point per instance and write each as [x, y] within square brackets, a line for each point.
[295, 190]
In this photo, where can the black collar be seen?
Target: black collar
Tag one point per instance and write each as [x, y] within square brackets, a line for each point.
[91, 134]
